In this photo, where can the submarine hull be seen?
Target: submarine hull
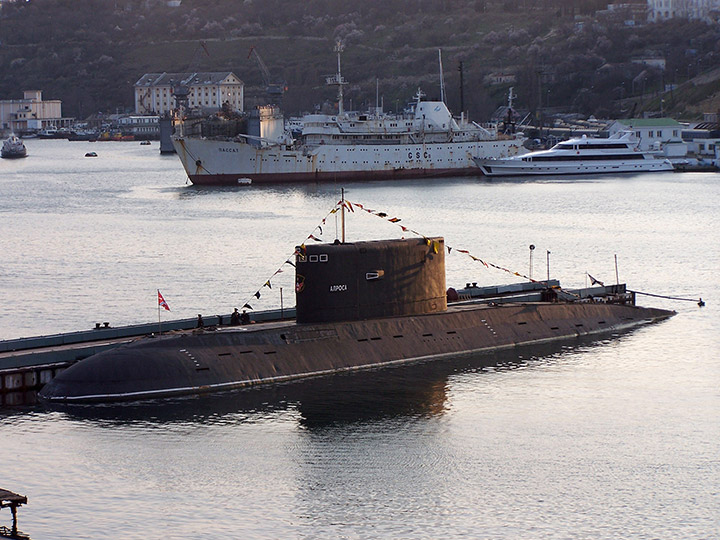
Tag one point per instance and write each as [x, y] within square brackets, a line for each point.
[203, 361]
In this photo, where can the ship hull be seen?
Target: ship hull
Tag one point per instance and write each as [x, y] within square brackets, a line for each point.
[491, 167]
[326, 176]
[229, 358]
[14, 154]
[213, 162]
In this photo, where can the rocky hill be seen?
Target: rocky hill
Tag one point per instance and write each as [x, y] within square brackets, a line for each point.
[570, 55]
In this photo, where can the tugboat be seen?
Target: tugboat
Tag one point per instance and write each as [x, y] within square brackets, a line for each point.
[359, 305]
[13, 147]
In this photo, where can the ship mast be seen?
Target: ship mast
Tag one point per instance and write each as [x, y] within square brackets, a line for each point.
[342, 215]
[510, 124]
[442, 78]
[337, 79]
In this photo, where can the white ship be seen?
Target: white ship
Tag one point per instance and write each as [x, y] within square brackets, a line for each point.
[426, 141]
[584, 155]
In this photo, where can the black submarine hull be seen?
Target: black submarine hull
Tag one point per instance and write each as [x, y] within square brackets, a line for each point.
[203, 361]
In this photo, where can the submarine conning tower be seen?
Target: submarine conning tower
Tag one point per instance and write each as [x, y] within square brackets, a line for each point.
[364, 280]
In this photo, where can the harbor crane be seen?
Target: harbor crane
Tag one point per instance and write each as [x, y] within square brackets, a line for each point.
[273, 89]
[181, 89]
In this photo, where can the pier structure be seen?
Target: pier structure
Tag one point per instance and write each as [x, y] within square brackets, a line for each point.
[27, 364]
[11, 500]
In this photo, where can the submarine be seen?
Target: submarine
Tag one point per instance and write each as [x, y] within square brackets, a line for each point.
[359, 305]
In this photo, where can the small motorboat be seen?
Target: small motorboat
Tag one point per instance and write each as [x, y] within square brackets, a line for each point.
[13, 147]
[91, 154]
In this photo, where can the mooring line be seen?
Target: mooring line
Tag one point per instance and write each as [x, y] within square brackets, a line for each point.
[699, 301]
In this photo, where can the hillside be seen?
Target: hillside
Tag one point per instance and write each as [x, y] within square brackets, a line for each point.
[564, 55]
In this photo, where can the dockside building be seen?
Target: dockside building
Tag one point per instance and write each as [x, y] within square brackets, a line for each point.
[155, 93]
[31, 113]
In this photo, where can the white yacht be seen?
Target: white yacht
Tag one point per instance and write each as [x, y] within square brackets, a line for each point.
[584, 155]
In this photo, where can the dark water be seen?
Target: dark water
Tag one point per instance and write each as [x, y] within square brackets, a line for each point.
[609, 438]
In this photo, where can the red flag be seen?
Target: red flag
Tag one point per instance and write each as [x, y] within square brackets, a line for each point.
[162, 302]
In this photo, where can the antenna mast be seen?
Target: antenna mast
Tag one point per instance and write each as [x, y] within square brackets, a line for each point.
[337, 79]
[342, 215]
[442, 79]
[377, 93]
[462, 88]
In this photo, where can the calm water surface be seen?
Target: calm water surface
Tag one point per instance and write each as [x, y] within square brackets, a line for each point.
[609, 438]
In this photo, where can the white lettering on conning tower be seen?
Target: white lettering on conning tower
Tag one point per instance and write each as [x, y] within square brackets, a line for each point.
[338, 288]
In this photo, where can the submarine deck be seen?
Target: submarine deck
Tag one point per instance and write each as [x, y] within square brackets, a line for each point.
[207, 360]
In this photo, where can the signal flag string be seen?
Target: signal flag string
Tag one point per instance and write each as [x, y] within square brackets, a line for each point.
[314, 235]
[350, 207]
[396, 221]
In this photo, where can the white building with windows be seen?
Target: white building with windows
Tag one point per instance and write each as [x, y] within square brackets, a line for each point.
[31, 113]
[155, 92]
[662, 134]
[662, 10]
[142, 127]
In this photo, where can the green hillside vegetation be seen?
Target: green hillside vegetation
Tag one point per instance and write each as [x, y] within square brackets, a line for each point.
[565, 55]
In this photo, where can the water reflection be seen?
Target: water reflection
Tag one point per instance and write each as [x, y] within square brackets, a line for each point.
[326, 187]
[411, 391]
[192, 190]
